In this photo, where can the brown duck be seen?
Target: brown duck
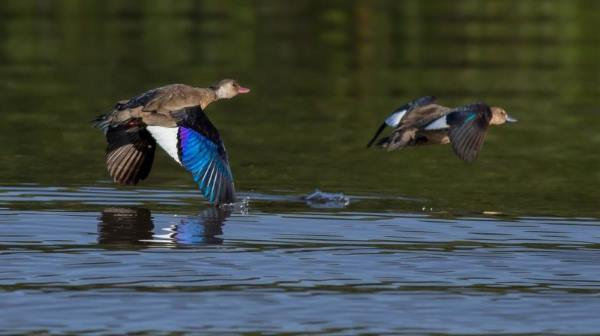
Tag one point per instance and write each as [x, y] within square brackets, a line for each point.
[423, 122]
[173, 116]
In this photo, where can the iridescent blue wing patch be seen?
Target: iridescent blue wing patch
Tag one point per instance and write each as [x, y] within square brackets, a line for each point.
[207, 161]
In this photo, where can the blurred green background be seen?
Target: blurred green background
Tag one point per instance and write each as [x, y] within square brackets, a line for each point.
[323, 75]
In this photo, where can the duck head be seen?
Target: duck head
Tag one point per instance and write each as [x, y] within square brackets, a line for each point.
[499, 116]
[228, 88]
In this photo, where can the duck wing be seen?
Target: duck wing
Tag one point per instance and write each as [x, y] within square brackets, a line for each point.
[152, 106]
[468, 127]
[412, 122]
[127, 111]
[393, 120]
[130, 151]
[129, 154]
[196, 144]
[161, 99]
[143, 99]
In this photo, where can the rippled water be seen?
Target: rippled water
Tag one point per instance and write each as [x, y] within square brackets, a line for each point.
[116, 264]
[420, 242]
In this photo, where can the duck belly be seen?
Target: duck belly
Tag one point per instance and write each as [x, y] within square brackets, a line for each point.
[431, 138]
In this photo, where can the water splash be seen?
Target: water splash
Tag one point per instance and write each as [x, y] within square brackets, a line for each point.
[320, 199]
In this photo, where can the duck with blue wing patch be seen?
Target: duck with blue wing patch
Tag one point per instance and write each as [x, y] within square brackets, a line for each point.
[173, 117]
[429, 123]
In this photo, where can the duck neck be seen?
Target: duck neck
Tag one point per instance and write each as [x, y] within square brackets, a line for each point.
[206, 96]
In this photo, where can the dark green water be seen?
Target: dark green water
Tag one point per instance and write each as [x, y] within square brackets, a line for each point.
[415, 251]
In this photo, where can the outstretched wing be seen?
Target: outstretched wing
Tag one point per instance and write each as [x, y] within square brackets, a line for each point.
[203, 154]
[208, 164]
[394, 119]
[129, 154]
[468, 127]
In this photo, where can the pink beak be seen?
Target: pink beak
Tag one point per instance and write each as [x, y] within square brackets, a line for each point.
[243, 90]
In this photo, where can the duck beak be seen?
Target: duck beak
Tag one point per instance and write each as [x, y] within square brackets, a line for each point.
[243, 89]
[511, 119]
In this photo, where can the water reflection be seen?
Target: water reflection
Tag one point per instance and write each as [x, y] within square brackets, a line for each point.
[125, 226]
[136, 226]
[201, 229]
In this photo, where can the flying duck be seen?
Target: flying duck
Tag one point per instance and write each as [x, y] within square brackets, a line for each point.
[422, 122]
[173, 116]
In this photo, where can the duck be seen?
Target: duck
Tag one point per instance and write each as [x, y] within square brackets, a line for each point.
[424, 122]
[172, 116]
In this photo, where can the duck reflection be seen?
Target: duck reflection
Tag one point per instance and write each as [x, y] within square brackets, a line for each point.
[136, 226]
[125, 226]
[202, 229]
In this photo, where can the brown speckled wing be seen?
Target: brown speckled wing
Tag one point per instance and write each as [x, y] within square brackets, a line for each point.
[130, 154]
[468, 127]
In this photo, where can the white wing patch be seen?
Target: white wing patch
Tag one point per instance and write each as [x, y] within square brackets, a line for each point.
[166, 138]
[437, 125]
[394, 119]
